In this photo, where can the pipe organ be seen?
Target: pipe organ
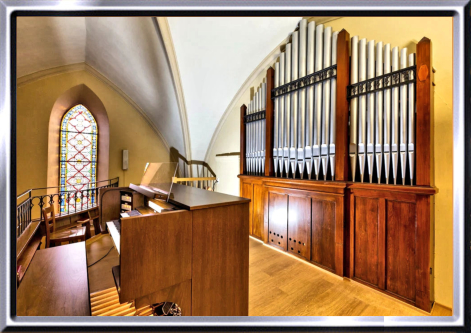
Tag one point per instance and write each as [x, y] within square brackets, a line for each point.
[382, 131]
[337, 157]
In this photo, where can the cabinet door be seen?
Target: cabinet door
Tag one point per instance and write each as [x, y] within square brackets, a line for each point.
[390, 243]
[257, 219]
[366, 251]
[246, 191]
[323, 233]
[278, 220]
[400, 249]
[299, 226]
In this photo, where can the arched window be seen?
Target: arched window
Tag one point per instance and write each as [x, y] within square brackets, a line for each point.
[78, 157]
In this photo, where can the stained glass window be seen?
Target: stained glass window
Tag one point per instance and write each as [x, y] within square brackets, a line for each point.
[78, 158]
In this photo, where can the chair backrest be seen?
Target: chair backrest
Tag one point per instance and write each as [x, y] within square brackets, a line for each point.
[93, 213]
[47, 219]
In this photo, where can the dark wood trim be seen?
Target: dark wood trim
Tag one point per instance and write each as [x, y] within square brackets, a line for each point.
[243, 162]
[426, 190]
[382, 243]
[423, 262]
[424, 123]
[301, 184]
[342, 112]
[269, 121]
[236, 153]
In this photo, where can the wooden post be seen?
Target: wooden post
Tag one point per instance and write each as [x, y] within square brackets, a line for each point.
[243, 162]
[343, 80]
[424, 123]
[424, 170]
[269, 170]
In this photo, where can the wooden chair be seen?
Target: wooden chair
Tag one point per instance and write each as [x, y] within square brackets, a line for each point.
[95, 219]
[64, 235]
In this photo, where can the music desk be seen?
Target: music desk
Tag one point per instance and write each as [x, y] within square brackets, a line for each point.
[197, 256]
[56, 283]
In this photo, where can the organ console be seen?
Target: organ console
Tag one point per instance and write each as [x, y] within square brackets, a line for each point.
[354, 117]
[189, 253]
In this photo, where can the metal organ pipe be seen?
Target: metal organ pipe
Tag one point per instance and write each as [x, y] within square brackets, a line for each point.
[353, 149]
[379, 112]
[263, 122]
[317, 101]
[276, 116]
[403, 121]
[287, 127]
[326, 102]
[387, 115]
[310, 99]
[362, 107]
[259, 136]
[302, 97]
[395, 116]
[294, 105]
[370, 119]
[249, 141]
[411, 131]
[281, 115]
[333, 107]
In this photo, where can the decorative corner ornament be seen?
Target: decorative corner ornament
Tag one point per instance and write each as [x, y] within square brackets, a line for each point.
[423, 73]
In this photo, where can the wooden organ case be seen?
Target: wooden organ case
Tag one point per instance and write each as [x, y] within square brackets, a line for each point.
[380, 129]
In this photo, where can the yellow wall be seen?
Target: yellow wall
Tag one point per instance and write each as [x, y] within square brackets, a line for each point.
[402, 32]
[128, 129]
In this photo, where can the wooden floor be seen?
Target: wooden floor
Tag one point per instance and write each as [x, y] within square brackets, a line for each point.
[281, 285]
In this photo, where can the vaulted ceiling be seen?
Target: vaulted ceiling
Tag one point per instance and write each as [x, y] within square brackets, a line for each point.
[213, 58]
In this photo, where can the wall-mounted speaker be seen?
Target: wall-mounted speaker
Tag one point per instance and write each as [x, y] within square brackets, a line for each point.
[125, 159]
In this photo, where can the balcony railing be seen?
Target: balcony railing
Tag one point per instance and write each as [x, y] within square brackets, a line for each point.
[193, 173]
[31, 202]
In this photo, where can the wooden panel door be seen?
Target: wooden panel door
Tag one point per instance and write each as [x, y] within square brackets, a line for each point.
[323, 233]
[257, 208]
[299, 226]
[220, 267]
[278, 220]
[366, 243]
[246, 191]
[401, 249]
[390, 242]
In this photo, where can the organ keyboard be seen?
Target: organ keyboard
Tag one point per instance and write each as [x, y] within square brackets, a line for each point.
[114, 228]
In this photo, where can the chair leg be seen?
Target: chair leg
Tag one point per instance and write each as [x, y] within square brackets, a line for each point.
[88, 233]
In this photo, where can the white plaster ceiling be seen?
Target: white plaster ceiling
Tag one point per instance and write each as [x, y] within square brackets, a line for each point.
[215, 56]
[48, 42]
[127, 50]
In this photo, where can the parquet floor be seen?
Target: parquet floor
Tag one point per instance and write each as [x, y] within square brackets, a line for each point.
[279, 285]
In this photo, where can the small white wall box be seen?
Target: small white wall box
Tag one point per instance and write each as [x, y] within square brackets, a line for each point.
[125, 159]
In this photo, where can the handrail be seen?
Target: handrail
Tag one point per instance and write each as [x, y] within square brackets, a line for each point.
[176, 179]
[45, 188]
[69, 201]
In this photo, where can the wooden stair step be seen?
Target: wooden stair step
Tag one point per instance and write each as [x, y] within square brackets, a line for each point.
[116, 310]
[106, 307]
[103, 300]
[103, 296]
[106, 303]
[132, 309]
[105, 291]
